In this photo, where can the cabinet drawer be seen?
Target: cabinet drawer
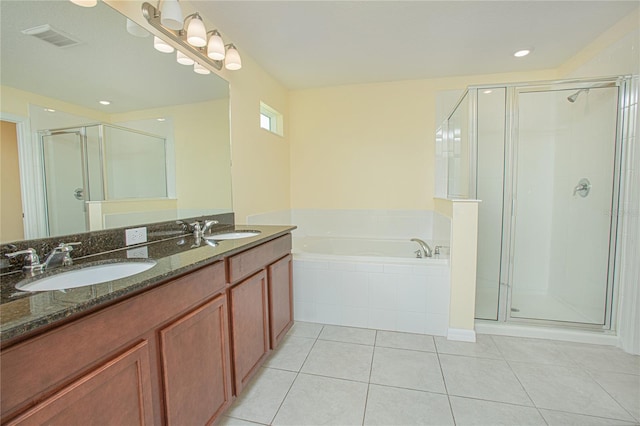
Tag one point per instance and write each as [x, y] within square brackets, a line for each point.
[248, 262]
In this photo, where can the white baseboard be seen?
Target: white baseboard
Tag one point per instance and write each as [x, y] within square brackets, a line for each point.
[461, 335]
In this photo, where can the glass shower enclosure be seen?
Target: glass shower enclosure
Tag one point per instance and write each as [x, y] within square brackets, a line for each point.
[97, 162]
[544, 159]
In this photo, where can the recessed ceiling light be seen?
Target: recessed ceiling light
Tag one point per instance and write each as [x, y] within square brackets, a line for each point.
[105, 102]
[49, 110]
[522, 53]
[161, 119]
[486, 92]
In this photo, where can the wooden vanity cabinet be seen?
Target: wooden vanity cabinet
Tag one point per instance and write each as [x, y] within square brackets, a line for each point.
[249, 327]
[196, 368]
[170, 355]
[159, 357]
[280, 280]
[259, 291]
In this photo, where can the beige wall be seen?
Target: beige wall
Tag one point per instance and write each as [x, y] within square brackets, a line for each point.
[345, 147]
[11, 228]
[260, 160]
[202, 151]
[371, 146]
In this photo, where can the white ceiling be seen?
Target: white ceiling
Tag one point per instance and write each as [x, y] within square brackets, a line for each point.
[307, 44]
[109, 63]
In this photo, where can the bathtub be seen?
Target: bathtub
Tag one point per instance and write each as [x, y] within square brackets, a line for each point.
[370, 283]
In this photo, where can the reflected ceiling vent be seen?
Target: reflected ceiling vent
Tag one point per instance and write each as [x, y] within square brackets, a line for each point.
[51, 35]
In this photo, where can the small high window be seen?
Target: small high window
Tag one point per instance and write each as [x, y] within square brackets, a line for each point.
[271, 120]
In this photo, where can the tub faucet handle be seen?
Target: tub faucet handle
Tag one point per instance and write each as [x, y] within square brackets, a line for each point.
[424, 246]
[418, 254]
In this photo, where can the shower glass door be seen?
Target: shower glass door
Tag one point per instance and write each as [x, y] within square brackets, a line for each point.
[64, 182]
[564, 157]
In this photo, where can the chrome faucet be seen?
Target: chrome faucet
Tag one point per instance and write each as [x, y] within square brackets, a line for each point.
[206, 226]
[199, 229]
[59, 256]
[424, 246]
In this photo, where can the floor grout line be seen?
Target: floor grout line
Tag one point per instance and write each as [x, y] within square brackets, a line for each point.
[576, 367]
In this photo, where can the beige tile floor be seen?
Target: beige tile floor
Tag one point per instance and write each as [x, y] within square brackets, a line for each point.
[329, 375]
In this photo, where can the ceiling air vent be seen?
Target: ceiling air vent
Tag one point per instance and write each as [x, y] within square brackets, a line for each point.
[51, 35]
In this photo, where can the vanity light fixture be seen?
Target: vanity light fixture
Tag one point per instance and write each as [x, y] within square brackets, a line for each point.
[104, 102]
[522, 53]
[192, 36]
[85, 3]
[161, 119]
[50, 110]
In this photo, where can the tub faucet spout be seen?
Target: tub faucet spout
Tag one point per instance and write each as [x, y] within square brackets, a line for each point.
[424, 246]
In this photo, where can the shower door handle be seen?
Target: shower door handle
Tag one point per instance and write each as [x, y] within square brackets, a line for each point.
[582, 188]
[78, 193]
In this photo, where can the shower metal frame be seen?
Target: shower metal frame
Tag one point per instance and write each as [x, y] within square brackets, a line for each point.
[81, 130]
[624, 85]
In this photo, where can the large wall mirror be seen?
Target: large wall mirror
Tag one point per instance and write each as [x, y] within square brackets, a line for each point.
[159, 151]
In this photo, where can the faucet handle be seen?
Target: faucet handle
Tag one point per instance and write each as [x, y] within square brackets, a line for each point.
[31, 260]
[66, 247]
[31, 254]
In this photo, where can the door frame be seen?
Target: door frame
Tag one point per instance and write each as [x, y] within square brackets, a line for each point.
[31, 177]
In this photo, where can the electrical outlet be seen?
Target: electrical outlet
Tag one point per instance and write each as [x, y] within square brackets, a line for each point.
[138, 253]
[136, 236]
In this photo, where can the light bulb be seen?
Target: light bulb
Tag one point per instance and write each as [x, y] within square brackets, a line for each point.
[85, 3]
[200, 69]
[232, 61]
[161, 46]
[135, 29]
[184, 59]
[196, 32]
[171, 15]
[215, 47]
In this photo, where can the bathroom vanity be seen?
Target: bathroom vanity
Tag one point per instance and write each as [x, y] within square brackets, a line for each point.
[176, 350]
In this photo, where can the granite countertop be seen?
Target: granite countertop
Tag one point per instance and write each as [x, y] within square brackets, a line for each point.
[23, 312]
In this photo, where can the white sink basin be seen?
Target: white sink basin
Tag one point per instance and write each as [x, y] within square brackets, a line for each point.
[234, 235]
[89, 275]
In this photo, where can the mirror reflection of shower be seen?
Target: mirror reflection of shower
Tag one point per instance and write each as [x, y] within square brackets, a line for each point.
[98, 163]
[573, 97]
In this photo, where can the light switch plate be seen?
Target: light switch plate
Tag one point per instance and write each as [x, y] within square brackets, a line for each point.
[136, 236]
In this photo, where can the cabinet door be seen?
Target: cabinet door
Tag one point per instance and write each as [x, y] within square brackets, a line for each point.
[116, 393]
[280, 299]
[249, 327]
[196, 368]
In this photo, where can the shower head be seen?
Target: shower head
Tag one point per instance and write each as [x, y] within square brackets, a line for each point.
[573, 97]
